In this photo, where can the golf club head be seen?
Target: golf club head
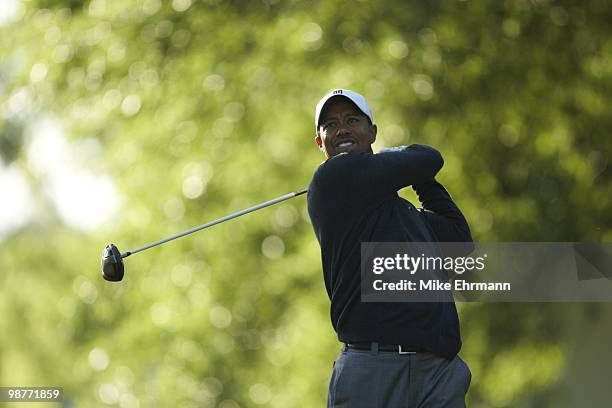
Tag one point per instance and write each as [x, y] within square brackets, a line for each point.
[111, 264]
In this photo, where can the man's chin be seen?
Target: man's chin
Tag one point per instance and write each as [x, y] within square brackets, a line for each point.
[352, 148]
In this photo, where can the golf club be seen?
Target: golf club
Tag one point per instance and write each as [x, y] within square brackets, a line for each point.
[111, 264]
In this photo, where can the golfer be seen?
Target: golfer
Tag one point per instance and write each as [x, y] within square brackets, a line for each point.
[394, 354]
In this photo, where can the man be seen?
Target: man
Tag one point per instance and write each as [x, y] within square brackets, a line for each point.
[394, 354]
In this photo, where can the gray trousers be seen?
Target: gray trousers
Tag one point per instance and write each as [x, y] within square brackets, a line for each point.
[384, 379]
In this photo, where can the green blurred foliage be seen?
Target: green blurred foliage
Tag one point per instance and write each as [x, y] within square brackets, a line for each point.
[513, 93]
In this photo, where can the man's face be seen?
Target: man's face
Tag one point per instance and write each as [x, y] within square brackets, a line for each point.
[343, 128]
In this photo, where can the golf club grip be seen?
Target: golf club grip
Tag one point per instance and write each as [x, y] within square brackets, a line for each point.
[219, 221]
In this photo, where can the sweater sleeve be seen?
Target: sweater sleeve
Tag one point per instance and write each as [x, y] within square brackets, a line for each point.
[443, 215]
[366, 174]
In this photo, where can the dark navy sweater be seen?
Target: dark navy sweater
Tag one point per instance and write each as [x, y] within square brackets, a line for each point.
[353, 198]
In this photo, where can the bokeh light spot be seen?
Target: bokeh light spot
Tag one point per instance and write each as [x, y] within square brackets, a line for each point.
[181, 275]
[131, 105]
[273, 247]
[38, 72]
[398, 49]
[260, 394]
[108, 393]
[220, 317]
[174, 208]
[181, 5]
[193, 187]
[213, 82]
[160, 314]
[98, 359]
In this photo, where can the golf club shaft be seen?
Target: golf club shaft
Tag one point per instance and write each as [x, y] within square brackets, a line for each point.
[220, 220]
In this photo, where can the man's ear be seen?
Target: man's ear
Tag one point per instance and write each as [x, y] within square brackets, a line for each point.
[373, 132]
[319, 142]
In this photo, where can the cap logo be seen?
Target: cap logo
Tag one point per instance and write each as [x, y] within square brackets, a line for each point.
[338, 92]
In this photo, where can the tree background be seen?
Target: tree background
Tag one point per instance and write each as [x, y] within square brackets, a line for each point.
[129, 121]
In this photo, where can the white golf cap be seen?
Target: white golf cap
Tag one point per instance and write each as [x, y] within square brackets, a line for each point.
[357, 99]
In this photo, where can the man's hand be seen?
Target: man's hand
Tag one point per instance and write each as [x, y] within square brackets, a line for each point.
[392, 149]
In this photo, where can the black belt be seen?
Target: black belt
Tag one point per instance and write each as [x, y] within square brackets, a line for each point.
[372, 346]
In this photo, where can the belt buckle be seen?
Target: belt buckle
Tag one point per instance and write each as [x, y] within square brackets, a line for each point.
[405, 352]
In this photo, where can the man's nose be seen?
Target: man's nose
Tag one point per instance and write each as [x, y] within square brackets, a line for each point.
[343, 129]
